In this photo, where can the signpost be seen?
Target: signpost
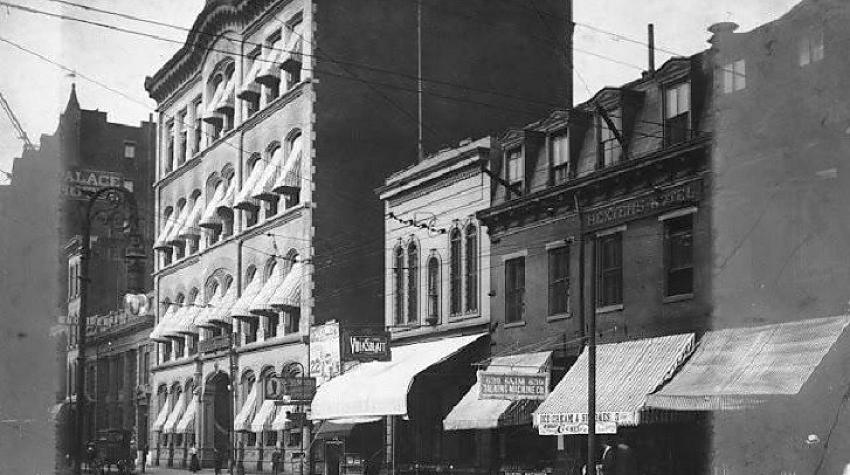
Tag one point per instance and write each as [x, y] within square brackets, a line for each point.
[513, 386]
[299, 389]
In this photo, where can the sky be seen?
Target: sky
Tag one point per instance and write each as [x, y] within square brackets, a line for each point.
[38, 91]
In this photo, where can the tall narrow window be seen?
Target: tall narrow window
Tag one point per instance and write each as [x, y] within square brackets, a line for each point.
[514, 289]
[169, 146]
[198, 132]
[515, 170]
[679, 255]
[559, 280]
[560, 158]
[182, 132]
[609, 147]
[398, 285]
[811, 48]
[412, 283]
[609, 258]
[734, 76]
[471, 269]
[677, 117]
[129, 150]
[456, 282]
[433, 289]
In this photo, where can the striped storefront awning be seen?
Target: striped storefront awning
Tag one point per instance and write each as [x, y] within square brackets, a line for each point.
[289, 178]
[209, 218]
[288, 293]
[265, 417]
[187, 422]
[170, 426]
[474, 413]
[164, 411]
[626, 373]
[241, 308]
[190, 227]
[205, 313]
[243, 420]
[744, 367]
[262, 188]
[220, 315]
[243, 199]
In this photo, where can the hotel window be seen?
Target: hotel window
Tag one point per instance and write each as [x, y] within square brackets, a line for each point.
[609, 147]
[471, 269]
[560, 158]
[609, 262]
[198, 131]
[515, 170]
[734, 76]
[412, 283]
[559, 280]
[514, 289]
[455, 278]
[677, 116]
[433, 289]
[398, 285]
[679, 255]
[169, 146]
[129, 150]
[811, 48]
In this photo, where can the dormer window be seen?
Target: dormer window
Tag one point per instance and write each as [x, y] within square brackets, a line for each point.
[609, 147]
[515, 169]
[734, 76]
[560, 157]
[811, 48]
[677, 113]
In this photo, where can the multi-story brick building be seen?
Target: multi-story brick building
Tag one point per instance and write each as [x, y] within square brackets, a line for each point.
[278, 121]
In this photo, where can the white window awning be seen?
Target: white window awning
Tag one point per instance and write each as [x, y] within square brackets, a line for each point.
[163, 327]
[250, 90]
[210, 114]
[475, 413]
[187, 422]
[243, 199]
[241, 309]
[209, 218]
[227, 200]
[263, 188]
[269, 73]
[291, 58]
[281, 419]
[243, 420]
[174, 325]
[379, 388]
[165, 231]
[164, 411]
[288, 293]
[190, 227]
[289, 178]
[265, 417]
[226, 102]
[187, 321]
[220, 314]
[170, 426]
[173, 239]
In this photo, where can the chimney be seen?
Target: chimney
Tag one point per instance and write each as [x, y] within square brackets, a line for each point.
[650, 41]
[720, 31]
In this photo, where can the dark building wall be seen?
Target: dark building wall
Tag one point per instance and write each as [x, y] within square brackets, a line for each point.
[366, 119]
[782, 175]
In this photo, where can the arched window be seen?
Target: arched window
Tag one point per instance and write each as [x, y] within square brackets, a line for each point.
[471, 274]
[247, 382]
[412, 283]
[433, 290]
[398, 284]
[455, 279]
[289, 183]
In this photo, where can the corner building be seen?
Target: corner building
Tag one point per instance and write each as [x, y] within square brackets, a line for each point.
[278, 119]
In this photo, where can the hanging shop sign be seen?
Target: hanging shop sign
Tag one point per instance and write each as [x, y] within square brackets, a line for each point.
[365, 344]
[294, 388]
[513, 386]
[645, 205]
[566, 424]
[76, 183]
[325, 358]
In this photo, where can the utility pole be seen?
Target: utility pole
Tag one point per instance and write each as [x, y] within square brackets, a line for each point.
[117, 197]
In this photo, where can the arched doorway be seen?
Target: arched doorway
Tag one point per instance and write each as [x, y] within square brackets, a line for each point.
[218, 414]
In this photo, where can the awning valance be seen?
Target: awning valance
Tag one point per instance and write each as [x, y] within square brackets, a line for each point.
[173, 238]
[265, 416]
[243, 199]
[242, 307]
[246, 414]
[626, 373]
[474, 413]
[210, 112]
[353, 395]
[209, 218]
[286, 293]
[743, 367]
[170, 425]
[189, 226]
[263, 188]
[328, 429]
[289, 178]
[187, 322]
[291, 58]
[164, 411]
[227, 200]
[281, 419]
[270, 69]
[173, 327]
[226, 102]
[187, 422]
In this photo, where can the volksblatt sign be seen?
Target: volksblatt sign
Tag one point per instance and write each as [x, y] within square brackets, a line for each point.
[365, 344]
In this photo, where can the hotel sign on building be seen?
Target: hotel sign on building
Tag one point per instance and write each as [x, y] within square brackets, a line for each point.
[645, 205]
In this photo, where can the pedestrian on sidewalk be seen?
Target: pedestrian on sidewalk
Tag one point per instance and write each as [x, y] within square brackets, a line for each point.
[276, 456]
[194, 463]
[144, 456]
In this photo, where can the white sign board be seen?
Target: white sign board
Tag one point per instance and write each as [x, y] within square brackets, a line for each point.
[324, 351]
[579, 428]
[577, 423]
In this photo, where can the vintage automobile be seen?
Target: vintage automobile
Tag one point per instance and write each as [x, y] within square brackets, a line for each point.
[113, 447]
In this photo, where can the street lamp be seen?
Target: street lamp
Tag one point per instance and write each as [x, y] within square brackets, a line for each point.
[116, 199]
